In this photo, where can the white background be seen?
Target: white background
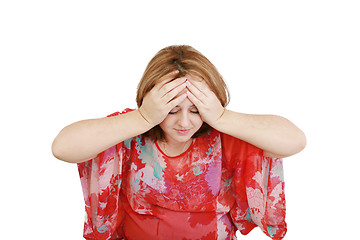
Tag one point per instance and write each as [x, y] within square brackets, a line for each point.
[63, 61]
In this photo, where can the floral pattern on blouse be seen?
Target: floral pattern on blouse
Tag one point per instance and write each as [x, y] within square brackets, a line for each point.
[219, 185]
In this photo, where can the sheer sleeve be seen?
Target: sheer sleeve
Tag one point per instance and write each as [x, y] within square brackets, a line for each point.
[101, 182]
[258, 185]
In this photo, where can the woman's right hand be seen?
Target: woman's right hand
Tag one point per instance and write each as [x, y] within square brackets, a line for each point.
[163, 98]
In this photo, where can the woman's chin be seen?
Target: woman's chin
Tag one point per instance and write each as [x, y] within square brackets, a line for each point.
[181, 138]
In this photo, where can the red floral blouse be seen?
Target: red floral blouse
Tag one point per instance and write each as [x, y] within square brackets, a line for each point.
[219, 185]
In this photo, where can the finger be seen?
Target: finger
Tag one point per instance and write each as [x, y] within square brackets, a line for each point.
[195, 77]
[175, 91]
[201, 86]
[199, 82]
[176, 101]
[171, 85]
[167, 78]
[195, 91]
[194, 100]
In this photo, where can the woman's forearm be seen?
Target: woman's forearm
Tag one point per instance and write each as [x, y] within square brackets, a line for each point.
[85, 139]
[277, 136]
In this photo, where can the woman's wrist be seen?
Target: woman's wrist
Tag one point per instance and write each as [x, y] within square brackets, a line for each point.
[223, 123]
[142, 121]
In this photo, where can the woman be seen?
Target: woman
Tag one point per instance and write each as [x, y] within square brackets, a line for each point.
[181, 166]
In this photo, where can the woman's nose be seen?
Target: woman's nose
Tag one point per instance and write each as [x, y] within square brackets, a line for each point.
[184, 120]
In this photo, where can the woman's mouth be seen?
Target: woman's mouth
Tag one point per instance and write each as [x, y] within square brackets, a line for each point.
[183, 132]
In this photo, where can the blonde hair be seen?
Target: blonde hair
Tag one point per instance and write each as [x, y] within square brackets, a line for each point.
[186, 60]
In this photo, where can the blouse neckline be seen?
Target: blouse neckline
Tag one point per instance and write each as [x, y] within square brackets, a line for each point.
[180, 155]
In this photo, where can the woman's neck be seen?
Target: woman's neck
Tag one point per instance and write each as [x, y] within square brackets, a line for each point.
[172, 148]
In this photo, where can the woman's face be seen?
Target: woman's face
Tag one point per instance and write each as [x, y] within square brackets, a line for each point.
[182, 122]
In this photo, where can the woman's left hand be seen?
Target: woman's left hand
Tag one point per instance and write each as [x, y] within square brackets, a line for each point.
[205, 100]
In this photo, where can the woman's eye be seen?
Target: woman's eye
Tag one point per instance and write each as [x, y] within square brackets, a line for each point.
[193, 111]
